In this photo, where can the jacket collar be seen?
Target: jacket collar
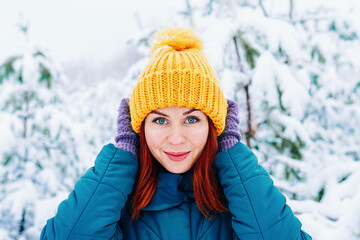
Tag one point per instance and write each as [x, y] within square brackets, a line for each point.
[172, 189]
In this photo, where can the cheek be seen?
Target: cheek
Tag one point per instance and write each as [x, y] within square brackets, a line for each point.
[153, 139]
[149, 137]
[199, 137]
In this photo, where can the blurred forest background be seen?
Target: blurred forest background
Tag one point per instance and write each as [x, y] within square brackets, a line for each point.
[293, 66]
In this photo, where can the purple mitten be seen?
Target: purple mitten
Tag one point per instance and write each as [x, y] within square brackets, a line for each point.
[231, 135]
[126, 138]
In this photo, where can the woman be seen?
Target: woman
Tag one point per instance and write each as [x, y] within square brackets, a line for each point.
[178, 169]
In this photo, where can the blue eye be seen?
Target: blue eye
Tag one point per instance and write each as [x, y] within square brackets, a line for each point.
[192, 119]
[160, 121]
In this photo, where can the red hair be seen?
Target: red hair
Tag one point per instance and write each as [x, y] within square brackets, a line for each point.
[207, 191]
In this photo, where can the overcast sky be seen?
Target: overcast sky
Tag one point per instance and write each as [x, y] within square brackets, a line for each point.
[79, 29]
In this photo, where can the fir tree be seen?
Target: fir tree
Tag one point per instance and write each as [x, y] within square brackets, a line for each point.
[31, 93]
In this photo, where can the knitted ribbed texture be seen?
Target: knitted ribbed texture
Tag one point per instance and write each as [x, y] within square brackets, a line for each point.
[178, 74]
[231, 134]
[126, 138]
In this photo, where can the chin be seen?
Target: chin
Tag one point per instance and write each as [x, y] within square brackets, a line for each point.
[177, 169]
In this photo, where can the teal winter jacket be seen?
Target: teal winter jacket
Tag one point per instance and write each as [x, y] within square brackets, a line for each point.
[99, 207]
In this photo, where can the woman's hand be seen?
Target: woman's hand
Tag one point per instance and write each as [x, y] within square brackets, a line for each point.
[126, 138]
[231, 135]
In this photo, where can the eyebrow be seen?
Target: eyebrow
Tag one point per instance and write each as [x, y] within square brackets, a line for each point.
[185, 113]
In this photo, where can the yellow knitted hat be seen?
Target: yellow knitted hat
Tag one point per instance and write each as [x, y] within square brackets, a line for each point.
[178, 74]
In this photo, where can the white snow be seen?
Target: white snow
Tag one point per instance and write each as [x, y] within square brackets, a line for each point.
[304, 95]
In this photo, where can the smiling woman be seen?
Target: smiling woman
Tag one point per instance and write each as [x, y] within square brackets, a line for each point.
[178, 169]
[176, 136]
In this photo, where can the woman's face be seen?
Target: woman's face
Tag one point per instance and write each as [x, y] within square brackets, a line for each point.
[176, 136]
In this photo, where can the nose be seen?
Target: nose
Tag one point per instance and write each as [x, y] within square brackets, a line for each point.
[176, 135]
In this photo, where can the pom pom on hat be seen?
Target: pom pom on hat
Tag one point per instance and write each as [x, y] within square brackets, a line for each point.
[178, 38]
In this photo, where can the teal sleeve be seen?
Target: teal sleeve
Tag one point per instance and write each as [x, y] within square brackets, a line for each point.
[93, 208]
[258, 208]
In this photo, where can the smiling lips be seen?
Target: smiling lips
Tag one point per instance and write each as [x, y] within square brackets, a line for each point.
[177, 156]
